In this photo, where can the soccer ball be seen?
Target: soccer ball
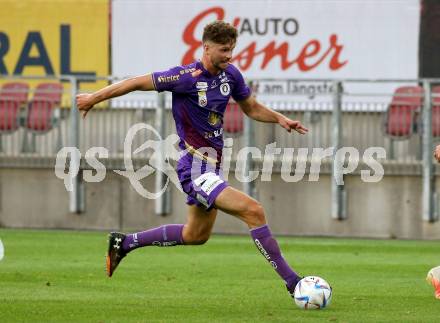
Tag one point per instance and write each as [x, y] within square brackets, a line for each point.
[313, 292]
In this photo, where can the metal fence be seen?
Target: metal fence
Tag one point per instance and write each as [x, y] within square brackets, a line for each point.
[402, 116]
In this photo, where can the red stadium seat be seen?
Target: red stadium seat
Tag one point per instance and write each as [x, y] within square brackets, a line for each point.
[12, 96]
[40, 116]
[47, 97]
[233, 118]
[400, 117]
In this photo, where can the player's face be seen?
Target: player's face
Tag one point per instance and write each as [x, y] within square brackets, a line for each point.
[220, 54]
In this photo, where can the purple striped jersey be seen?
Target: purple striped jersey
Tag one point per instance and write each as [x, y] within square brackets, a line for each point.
[199, 102]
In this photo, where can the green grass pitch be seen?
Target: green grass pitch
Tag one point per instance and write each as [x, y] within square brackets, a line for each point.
[58, 276]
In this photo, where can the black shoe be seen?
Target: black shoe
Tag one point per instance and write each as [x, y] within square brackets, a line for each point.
[291, 289]
[115, 251]
[291, 292]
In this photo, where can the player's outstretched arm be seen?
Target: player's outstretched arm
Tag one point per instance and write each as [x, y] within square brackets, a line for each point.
[255, 110]
[85, 102]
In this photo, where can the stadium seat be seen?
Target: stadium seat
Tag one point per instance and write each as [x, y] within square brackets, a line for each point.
[233, 118]
[400, 118]
[40, 115]
[12, 97]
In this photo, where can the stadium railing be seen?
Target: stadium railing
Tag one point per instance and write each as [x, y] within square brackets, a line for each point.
[392, 114]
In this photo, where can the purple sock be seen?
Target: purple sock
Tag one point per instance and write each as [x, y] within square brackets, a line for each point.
[269, 248]
[164, 236]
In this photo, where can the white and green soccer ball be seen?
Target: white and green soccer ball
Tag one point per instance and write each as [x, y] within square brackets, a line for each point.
[313, 292]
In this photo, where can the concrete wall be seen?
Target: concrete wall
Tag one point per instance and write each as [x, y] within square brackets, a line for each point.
[388, 209]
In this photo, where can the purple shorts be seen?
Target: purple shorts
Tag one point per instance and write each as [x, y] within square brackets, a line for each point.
[200, 180]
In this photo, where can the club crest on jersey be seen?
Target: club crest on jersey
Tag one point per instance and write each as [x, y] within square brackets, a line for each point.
[213, 118]
[225, 89]
[203, 100]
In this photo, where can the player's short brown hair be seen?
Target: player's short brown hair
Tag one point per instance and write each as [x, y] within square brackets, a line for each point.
[220, 32]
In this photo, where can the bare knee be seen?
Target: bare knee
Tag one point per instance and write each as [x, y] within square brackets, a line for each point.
[254, 215]
[195, 237]
[196, 240]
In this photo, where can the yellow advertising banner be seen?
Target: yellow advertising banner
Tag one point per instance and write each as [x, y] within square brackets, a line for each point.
[54, 37]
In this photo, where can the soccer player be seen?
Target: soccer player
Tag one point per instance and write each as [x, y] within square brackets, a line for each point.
[200, 93]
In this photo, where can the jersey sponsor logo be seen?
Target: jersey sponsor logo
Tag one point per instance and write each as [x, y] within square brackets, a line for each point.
[225, 89]
[187, 70]
[203, 100]
[208, 182]
[214, 118]
[202, 86]
[166, 79]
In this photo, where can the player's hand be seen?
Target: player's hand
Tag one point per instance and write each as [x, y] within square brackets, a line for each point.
[289, 124]
[437, 153]
[84, 103]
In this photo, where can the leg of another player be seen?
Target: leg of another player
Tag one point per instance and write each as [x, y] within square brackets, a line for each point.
[251, 212]
[196, 231]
